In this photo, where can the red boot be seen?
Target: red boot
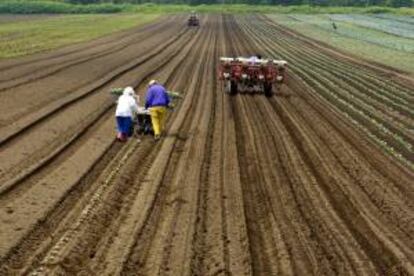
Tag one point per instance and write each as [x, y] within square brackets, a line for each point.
[121, 137]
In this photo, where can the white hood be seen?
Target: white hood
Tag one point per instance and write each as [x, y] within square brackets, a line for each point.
[127, 105]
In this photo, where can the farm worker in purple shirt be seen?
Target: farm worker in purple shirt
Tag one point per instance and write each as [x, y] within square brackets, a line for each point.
[157, 101]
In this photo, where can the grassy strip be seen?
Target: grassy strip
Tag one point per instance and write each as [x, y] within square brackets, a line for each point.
[243, 8]
[352, 29]
[366, 49]
[388, 25]
[35, 6]
[21, 38]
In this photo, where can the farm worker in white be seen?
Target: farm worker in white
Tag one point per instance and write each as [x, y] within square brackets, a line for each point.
[125, 110]
[256, 58]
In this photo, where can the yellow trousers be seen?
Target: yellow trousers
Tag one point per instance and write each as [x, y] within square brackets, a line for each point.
[158, 119]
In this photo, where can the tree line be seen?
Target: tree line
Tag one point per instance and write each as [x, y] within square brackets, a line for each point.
[346, 3]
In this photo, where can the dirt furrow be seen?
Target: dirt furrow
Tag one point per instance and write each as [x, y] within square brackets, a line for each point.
[338, 216]
[20, 70]
[29, 189]
[267, 248]
[276, 258]
[221, 241]
[293, 184]
[35, 108]
[381, 74]
[397, 255]
[86, 238]
[299, 87]
[379, 83]
[176, 204]
[296, 253]
[375, 127]
[331, 180]
[52, 122]
[321, 60]
[386, 199]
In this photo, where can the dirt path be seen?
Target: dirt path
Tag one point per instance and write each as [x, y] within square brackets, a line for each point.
[295, 184]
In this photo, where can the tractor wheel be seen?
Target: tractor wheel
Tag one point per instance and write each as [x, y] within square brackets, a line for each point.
[267, 87]
[233, 88]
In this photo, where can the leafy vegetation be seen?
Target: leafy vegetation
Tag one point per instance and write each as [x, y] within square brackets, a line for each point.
[35, 7]
[388, 25]
[357, 3]
[360, 31]
[368, 43]
[394, 17]
[113, 6]
[246, 8]
[21, 38]
[379, 108]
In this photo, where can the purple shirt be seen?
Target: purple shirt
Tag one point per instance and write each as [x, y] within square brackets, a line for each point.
[156, 96]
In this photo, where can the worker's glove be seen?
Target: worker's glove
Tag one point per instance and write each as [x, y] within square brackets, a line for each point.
[170, 106]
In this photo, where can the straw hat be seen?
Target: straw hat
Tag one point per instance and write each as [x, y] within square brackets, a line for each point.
[129, 91]
[152, 82]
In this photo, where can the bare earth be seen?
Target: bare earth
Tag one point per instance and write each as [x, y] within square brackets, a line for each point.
[287, 185]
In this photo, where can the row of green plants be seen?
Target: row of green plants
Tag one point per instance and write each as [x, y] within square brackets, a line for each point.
[348, 25]
[374, 126]
[58, 7]
[379, 97]
[370, 44]
[390, 94]
[388, 25]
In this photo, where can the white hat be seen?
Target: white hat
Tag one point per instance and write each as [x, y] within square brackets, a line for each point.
[129, 91]
[152, 82]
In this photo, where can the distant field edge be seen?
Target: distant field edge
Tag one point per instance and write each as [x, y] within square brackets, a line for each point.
[404, 76]
[52, 32]
[57, 7]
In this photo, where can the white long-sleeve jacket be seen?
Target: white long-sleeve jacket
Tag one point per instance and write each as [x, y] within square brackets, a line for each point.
[127, 106]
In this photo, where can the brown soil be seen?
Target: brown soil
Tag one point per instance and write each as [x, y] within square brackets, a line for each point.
[294, 184]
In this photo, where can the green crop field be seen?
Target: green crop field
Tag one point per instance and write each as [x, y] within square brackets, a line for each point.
[61, 6]
[23, 37]
[385, 39]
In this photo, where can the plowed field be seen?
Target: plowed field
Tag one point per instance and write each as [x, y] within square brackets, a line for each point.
[316, 180]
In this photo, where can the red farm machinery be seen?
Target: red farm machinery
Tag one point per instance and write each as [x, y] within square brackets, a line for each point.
[251, 74]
